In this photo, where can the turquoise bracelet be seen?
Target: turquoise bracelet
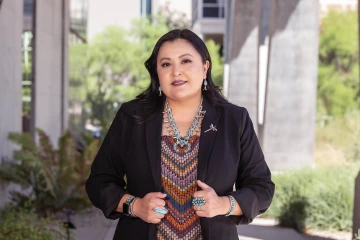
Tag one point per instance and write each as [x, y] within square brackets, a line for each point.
[232, 205]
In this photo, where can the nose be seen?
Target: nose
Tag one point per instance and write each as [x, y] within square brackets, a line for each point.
[176, 70]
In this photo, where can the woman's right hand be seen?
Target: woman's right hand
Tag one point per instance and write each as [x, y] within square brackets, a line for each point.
[144, 207]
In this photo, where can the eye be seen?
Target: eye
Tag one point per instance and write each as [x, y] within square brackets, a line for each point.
[187, 61]
[165, 64]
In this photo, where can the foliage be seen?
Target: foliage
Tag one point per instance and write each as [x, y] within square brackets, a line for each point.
[173, 18]
[338, 85]
[294, 212]
[217, 62]
[322, 197]
[21, 224]
[337, 141]
[52, 179]
[110, 69]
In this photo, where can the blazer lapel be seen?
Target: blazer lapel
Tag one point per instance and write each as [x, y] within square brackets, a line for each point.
[153, 144]
[206, 138]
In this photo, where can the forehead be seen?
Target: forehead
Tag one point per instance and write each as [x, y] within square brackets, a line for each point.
[177, 48]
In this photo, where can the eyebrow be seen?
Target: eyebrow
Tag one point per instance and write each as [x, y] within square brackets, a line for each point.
[183, 55]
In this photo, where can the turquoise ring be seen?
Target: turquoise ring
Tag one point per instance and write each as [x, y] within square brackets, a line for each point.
[198, 202]
[161, 210]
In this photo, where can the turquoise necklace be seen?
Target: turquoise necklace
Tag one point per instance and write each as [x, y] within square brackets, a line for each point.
[175, 133]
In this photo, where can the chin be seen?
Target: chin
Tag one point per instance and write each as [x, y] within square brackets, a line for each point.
[182, 95]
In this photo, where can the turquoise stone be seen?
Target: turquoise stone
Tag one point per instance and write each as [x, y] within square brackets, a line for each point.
[198, 202]
[161, 210]
[182, 141]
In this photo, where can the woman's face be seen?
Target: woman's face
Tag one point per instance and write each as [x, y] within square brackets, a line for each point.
[180, 70]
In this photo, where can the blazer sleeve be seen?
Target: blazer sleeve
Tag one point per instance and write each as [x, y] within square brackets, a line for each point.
[254, 188]
[105, 185]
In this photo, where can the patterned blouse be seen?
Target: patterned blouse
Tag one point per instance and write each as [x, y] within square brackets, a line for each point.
[178, 178]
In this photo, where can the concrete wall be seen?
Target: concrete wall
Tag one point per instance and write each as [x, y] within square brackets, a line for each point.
[49, 113]
[10, 72]
[289, 129]
[102, 13]
[10, 77]
[242, 54]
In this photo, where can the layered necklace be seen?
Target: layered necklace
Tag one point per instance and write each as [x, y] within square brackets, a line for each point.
[174, 131]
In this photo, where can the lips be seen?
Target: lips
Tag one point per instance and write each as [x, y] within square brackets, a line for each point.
[178, 82]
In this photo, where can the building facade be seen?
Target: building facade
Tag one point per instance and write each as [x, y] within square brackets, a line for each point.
[121, 12]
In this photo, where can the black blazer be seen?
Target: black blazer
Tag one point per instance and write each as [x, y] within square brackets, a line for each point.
[231, 154]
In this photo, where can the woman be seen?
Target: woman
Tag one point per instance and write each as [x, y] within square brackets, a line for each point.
[182, 147]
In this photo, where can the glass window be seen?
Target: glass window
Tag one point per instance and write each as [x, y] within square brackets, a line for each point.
[28, 8]
[213, 9]
[214, 1]
[211, 12]
[145, 7]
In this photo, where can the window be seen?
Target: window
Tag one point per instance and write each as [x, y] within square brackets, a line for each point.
[213, 9]
[28, 8]
[145, 7]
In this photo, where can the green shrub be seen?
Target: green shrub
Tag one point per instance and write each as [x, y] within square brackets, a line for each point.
[324, 196]
[53, 179]
[294, 213]
[21, 224]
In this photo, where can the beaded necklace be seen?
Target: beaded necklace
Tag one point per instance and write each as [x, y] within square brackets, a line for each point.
[175, 133]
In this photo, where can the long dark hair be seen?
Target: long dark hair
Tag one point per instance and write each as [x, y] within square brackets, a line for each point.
[150, 98]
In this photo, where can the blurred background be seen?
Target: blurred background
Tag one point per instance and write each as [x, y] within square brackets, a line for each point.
[66, 66]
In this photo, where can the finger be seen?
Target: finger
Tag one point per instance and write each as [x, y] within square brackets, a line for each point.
[202, 209]
[161, 216]
[158, 202]
[199, 194]
[159, 195]
[156, 221]
[201, 213]
[158, 216]
[203, 185]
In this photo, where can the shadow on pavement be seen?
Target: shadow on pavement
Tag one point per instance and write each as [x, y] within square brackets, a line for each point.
[256, 232]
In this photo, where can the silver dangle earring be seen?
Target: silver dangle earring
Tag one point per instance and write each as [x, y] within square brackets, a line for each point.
[160, 89]
[205, 84]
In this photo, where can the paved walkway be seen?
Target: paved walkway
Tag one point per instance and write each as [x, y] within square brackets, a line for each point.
[260, 229]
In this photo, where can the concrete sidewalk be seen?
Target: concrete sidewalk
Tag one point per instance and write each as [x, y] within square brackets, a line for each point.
[260, 229]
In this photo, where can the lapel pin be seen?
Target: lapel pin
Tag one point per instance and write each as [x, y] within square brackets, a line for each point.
[212, 127]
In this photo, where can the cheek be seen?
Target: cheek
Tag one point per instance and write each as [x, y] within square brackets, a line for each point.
[161, 75]
[196, 73]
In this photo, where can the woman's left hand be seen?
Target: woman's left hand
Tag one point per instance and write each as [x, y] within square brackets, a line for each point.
[214, 205]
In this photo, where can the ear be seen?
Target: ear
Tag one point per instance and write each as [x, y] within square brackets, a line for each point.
[206, 67]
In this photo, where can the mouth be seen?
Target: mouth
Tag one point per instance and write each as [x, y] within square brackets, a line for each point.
[178, 82]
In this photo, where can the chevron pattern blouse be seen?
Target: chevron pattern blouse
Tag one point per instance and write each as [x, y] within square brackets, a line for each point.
[178, 178]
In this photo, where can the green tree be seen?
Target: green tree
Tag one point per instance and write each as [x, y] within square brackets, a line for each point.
[217, 62]
[109, 73]
[110, 69]
[338, 86]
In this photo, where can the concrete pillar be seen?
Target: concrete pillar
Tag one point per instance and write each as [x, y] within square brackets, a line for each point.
[11, 23]
[242, 37]
[10, 72]
[50, 67]
[356, 217]
[289, 127]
